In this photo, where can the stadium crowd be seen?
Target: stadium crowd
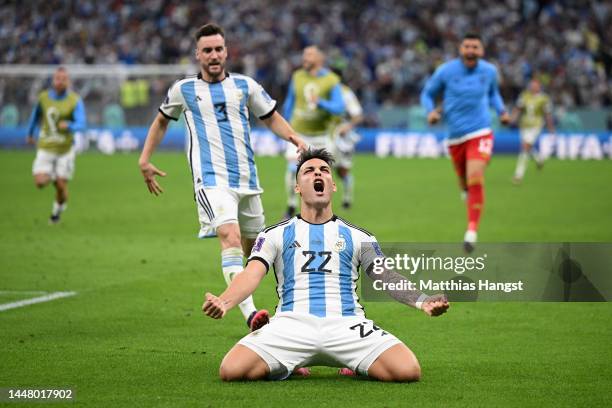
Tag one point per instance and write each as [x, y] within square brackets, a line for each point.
[388, 47]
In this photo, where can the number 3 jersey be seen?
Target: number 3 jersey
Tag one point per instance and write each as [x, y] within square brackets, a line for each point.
[218, 131]
[316, 265]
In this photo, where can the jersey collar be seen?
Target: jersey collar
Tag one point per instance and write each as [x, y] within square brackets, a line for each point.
[227, 74]
[332, 219]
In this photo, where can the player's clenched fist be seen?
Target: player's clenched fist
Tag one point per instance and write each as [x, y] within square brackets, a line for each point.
[435, 305]
[214, 306]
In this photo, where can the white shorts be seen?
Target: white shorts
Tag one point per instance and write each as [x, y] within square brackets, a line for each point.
[54, 164]
[293, 340]
[530, 135]
[222, 205]
[317, 142]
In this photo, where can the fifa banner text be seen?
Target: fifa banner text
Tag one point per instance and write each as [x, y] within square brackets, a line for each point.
[548, 272]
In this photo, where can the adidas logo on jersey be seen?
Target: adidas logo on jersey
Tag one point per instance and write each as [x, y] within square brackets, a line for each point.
[295, 245]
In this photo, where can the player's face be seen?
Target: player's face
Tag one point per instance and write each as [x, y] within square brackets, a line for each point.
[60, 81]
[315, 183]
[211, 53]
[470, 50]
[534, 86]
[311, 58]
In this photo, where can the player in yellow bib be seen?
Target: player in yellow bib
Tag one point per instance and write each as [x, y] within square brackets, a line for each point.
[58, 114]
[534, 108]
[313, 101]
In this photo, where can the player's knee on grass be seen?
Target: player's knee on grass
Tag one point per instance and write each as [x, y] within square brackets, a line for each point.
[240, 363]
[398, 364]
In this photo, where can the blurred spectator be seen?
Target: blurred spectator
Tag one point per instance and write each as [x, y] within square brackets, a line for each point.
[389, 47]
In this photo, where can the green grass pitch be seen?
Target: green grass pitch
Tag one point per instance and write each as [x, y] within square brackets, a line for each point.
[134, 335]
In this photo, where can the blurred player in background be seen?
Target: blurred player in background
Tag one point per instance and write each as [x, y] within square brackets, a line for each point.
[58, 114]
[345, 139]
[313, 99]
[468, 85]
[216, 106]
[534, 108]
[319, 321]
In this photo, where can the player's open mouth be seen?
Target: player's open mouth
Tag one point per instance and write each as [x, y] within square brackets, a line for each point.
[319, 186]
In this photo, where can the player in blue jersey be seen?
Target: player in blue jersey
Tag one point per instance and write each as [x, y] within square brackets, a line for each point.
[316, 258]
[468, 86]
[216, 106]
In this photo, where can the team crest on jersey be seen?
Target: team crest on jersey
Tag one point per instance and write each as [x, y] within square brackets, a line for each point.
[239, 94]
[340, 245]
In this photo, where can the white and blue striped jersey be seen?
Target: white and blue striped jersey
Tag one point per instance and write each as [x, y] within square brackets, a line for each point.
[316, 265]
[218, 129]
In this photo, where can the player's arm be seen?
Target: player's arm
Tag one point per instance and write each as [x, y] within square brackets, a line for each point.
[354, 111]
[154, 137]
[33, 124]
[335, 103]
[434, 305]
[241, 287]
[277, 124]
[496, 100]
[79, 119]
[289, 101]
[433, 86]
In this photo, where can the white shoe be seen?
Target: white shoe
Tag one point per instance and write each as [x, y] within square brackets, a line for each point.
[469, 239]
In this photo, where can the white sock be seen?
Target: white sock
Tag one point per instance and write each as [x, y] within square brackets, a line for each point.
[290, 185]
[521, 165]
[347, 185]
[58, 208]
[536, 156]
[231, 263]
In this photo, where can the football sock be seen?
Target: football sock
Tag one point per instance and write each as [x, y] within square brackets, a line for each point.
[536, 156]
[475, 201]
[58, 208]
[521, 165]
[347, 188]
[231, 263]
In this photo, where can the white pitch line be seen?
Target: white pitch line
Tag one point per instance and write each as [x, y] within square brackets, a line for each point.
[32, 301]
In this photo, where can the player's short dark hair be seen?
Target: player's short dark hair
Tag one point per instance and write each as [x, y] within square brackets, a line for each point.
[209, 29]
[310, 154]
[472, 36]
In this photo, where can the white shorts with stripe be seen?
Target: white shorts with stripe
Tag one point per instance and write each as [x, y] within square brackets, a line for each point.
[223, 205]
[54, 164]
[530, 135]
[293, 340]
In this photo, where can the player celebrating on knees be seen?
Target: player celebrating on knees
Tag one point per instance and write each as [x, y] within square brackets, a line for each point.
[59, 113]
[468, 86]
[216, 106]
[534, 108]
[318, 320]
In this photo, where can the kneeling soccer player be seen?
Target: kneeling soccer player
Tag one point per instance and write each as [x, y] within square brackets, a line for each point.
[318, 320]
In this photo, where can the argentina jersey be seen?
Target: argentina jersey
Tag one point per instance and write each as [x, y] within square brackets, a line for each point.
[316, 265]
[218, 130]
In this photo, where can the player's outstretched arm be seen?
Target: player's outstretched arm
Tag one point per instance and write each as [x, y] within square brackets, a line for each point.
[435, 305]
[277, 124]
[241, 287]
[154, 137]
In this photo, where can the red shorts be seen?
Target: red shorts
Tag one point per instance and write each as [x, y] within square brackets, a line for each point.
[479, 148]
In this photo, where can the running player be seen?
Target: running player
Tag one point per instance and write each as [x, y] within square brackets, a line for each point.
[59, 113]
[534, 108]
[345, 139]
[319, 321]
[313, 98]
[216, 107]
[468, 85]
